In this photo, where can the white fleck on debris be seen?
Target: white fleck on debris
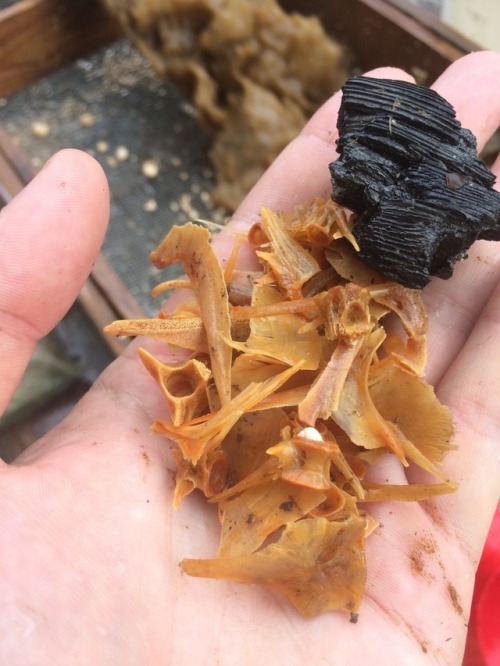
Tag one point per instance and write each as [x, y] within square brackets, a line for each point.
[122, 153]
[175, 161]
[84, 64]
[311, 433]
[40, 129]
[187, 207]
[183, 175]
[87, 119]
[150, 168]
[150, 206]
[112, 161]
[206, 197]
[189, 109]
[219, 216]
[174, 207]
[195, 188]
[102, 146]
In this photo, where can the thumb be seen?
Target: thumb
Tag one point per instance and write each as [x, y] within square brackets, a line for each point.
[50, 235]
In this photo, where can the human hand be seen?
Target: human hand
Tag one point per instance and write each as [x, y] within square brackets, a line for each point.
[90, 544]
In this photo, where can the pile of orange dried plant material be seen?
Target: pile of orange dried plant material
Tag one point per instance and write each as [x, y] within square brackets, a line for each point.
[293, 388]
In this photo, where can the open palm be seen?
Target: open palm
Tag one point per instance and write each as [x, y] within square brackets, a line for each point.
[89, 543]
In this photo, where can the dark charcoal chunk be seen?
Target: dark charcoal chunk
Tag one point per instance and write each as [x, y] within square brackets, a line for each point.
[412, 175]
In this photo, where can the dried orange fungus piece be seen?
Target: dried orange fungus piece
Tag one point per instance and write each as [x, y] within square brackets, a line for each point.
[292, 388]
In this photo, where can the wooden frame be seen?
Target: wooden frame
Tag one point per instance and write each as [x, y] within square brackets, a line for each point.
[39, 36]
[390, 32]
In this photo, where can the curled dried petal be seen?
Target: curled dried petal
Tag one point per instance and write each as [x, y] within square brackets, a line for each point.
[406, 303]
[256, 514]
[292, 265]
[305, 565]
[356, 414]
[240, 286]
[333, 503]
[190, 245]
[209, 475]
[200, 436]
[323, 397]
[410, 355]
[304, 462]
[184, 385]
[187, 332]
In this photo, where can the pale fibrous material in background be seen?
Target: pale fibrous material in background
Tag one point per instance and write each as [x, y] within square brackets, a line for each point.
[254, 73]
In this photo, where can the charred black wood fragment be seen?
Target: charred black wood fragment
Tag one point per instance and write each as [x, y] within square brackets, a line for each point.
[411, 174]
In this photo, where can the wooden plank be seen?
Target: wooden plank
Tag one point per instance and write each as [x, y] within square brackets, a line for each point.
[123, 304]
[434, 25]
[101, 313]
[15, 169]
[39, 36]
[9, 180]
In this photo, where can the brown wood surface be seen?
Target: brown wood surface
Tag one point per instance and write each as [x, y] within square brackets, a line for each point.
[110, 285]
[436, 26]
[15, 170]
[11, 182]
[40, 36]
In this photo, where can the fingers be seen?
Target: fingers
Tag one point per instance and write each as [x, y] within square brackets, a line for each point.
[49, 237]
[470, 84]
